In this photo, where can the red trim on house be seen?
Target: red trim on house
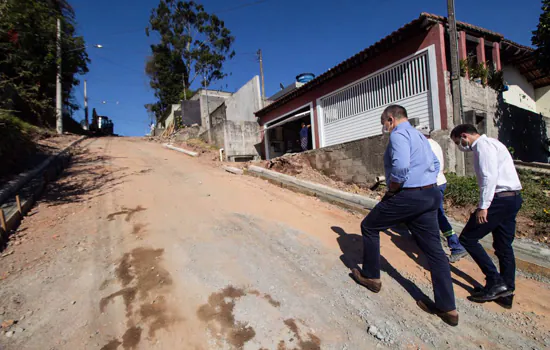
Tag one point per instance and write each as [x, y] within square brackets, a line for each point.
[481, 58]
[496, 56]
[316, 131]
[441, 57]
[462, 53]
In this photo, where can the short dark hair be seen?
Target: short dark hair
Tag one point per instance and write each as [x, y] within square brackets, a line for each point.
[396, 111]
[464, 129]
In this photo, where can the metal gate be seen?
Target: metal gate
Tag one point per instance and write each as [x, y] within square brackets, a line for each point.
[354, 112]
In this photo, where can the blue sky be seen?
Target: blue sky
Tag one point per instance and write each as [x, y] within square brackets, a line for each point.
[295, 36]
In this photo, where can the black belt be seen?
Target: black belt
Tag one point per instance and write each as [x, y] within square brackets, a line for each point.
[419, 188]
[507, 194]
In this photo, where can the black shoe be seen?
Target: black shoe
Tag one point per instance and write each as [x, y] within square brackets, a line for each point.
[496, 291]
[506, 302]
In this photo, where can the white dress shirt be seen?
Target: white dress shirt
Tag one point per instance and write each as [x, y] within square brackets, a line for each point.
[495, 170]
[436, 148]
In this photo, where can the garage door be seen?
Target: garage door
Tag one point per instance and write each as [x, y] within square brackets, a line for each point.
[354, 112]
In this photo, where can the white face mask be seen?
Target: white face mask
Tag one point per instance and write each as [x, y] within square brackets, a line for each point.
[384, 130]
[466, 147]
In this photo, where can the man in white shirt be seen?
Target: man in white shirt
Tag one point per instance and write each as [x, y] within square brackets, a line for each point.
[457, 250]
[499, 203]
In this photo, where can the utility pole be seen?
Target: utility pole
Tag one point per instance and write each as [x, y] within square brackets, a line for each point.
[58, 101]
[455, 79]
[262, 75]
[86, 106]
[184, 88]
[455, 64]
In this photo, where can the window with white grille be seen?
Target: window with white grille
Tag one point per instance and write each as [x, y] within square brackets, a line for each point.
[397, 83]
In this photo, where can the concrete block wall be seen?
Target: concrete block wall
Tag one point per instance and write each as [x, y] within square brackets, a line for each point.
[242, 138]
[357, 162]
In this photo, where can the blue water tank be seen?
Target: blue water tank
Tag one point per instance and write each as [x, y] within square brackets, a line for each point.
[305, 77]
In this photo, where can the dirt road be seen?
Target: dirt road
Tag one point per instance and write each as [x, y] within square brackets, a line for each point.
[140, 247]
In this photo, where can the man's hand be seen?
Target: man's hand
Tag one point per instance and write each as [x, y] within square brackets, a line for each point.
[481, 216]
[387, 196]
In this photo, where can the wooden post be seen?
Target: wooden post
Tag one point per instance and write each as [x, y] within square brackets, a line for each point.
[19, 209]
[3, 221]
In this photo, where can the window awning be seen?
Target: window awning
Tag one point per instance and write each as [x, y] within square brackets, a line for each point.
[289, 119]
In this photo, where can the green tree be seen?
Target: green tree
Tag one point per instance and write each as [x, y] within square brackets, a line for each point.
[28, 61]
[193, 47]
[541, 38]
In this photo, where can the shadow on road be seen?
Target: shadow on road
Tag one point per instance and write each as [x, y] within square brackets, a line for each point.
[351, 246]
[89, 176]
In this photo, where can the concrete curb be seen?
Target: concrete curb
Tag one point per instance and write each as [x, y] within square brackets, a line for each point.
[233, 170]
[15, 185]
[530, 257]
[533, 164]
[49, 169]
[189, 153]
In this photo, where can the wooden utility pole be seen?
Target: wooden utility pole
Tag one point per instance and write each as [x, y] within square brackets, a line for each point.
[455, 79]
[262, 75]
[58, 94]
[86, 123]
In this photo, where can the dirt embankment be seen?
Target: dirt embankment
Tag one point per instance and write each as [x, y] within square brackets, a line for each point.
[297, 165]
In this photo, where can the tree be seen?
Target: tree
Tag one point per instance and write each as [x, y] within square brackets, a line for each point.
[194, 45]
[541, 38]
[28, 62]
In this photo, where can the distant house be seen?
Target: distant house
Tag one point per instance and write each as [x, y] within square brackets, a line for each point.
[411, 67]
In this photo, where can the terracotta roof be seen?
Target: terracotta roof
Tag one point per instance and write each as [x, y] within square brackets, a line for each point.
[464, 26]
[523, 57]
[425, 19]
[350, 63]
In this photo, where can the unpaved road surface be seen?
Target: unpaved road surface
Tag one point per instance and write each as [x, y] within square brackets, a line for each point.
[140, 247]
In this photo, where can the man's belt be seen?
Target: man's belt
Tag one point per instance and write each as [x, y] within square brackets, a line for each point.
[507, 194]
[419, 188]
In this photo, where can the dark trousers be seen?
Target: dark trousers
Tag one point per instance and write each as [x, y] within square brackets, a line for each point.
[417, 209]
[501, 219]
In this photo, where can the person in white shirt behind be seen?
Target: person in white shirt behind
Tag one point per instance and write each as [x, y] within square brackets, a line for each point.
[499, 203]
[457, 250]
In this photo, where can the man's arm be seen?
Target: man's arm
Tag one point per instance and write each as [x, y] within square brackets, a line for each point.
[400, 161]
[488, 172]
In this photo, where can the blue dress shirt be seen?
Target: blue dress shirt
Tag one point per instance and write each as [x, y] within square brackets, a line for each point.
[409, 159]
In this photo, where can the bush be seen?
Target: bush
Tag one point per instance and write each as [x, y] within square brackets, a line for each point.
[463, 191]
[15, 142]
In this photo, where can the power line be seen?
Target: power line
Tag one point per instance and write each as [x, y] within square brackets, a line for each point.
[240, 6]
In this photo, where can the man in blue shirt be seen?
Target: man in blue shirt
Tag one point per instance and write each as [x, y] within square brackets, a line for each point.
[412, 199]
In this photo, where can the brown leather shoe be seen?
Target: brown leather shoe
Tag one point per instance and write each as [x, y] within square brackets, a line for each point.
[374, 285]
[449, 317]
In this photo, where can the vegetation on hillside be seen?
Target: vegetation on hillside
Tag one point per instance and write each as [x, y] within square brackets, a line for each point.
[463, 191]
[28, 62]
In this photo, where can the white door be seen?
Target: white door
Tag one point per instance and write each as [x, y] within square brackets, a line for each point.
[354, 112]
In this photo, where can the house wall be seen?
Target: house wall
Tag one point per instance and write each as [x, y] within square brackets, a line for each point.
[243, 103]
[209, 101]
[218, 116]
[433, 36]
[242, 138]
[542, 97]
[191, 111]
[170, 119]
[520, 92]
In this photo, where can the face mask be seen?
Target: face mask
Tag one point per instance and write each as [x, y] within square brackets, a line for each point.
[386, 130]
[466, 147]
